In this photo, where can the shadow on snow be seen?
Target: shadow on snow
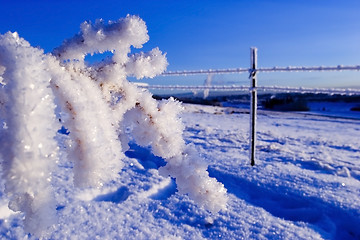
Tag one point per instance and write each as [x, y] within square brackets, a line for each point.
[330, 220]
[145, 156]
[119, 196]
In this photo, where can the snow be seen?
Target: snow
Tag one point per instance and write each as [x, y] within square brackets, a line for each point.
[334, 109]
[305, 184]
[126, 166]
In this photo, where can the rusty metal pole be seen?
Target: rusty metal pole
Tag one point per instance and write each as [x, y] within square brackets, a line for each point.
[253, 104]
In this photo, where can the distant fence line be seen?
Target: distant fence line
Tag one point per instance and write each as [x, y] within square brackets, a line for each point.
[341, 91]
[253, 88]
[269, 69]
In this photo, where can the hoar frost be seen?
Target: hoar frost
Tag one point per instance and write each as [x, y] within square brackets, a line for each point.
[99, 106]
[28, 148]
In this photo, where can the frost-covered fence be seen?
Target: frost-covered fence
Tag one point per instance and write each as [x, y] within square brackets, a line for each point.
[253, 89]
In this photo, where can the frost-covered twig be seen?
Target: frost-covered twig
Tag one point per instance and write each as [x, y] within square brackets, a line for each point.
[96, 151]
[97, 103]
[190, 172]
[28, 148]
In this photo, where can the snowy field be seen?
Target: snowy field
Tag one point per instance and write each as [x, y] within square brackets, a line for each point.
[305, 185]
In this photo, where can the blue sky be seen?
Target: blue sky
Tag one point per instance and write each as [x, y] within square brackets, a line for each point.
[214, 33]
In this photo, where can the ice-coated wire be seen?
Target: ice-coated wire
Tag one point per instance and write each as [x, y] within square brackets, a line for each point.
[342, 91]
[198, 87]
[209, 71]
[264, 69]
[309, 69]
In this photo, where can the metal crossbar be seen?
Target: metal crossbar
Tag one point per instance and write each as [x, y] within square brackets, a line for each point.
[253, 88]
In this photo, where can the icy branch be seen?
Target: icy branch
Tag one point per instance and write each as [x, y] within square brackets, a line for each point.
[28, 148]
[116, 37]
[96, 104]
[146, 64]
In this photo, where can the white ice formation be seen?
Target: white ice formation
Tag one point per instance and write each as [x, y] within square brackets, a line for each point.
[97, 103]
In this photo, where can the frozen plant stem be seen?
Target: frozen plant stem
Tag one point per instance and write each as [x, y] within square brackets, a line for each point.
[96, 104]
[28, 148]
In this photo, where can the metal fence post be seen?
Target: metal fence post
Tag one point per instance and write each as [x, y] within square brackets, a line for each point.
[253, 104]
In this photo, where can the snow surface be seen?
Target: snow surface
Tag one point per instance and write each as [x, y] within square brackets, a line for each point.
[305, 185]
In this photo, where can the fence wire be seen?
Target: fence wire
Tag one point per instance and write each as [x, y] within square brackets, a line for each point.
[341, 91]
[235, 88]
[264, 69]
